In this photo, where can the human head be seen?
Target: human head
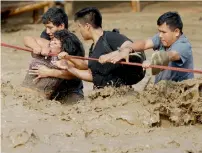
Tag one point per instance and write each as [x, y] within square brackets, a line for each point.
[87, 19]
[170, 27]
[67, 42]
[55, 19]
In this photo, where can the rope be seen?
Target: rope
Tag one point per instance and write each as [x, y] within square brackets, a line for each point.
[126, 63]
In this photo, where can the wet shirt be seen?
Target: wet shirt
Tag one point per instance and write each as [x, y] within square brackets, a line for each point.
[184, 48]
[73, 84]
[108, 73]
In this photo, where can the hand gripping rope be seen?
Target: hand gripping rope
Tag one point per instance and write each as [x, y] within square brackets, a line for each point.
[126, 63]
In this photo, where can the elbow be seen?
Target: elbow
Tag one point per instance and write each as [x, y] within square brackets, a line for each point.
[26, 40]
[139, 46]
[126, 44]
[145, 46]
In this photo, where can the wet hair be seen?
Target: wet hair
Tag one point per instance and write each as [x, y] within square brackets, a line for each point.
[55, 15]
[172, 19]
[69, 42]
[89, 15]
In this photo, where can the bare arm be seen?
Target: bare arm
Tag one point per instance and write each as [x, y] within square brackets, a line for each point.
[126, 43]
[79, 64]
[63, 74]
[148, 44]
[162, 58]
[31, 43]
[67, 65]
[126, 48]
[85, 75]
[72, 72]
[38, 45]
[137, 46]
[173, 56]
[142, 45]
[44, 72]
[42, 42]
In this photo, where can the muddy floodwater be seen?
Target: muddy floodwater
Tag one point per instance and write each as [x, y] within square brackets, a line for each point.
[162, 118]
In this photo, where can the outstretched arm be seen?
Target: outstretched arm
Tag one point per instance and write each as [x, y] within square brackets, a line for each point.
[125, 50]
[141, 45]
[85, 75]
[38, 45]
[78, 63]
[42, 71]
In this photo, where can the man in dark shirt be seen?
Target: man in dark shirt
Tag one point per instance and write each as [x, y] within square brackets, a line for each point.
[71, 88]
[89, 21]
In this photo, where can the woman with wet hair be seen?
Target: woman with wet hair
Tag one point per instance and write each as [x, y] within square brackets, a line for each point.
[53, 87]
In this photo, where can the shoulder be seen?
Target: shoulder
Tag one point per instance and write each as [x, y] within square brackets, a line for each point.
[156, 42]
[115, 36]
[111, 34]
[182, 44]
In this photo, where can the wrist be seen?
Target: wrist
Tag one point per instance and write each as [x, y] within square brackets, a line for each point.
[52, 73]
[130, 49]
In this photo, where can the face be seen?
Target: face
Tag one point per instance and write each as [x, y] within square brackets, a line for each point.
[50, 28]
[55, 46]
[168, 36]
[84, 30]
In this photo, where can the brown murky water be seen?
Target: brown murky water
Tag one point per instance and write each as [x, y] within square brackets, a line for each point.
[163, 118]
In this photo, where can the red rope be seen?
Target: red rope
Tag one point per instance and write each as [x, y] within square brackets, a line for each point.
[126, 63]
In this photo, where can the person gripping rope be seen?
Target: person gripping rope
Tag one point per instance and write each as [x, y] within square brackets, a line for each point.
[89, 21]
[70, 87]
[172, 49]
